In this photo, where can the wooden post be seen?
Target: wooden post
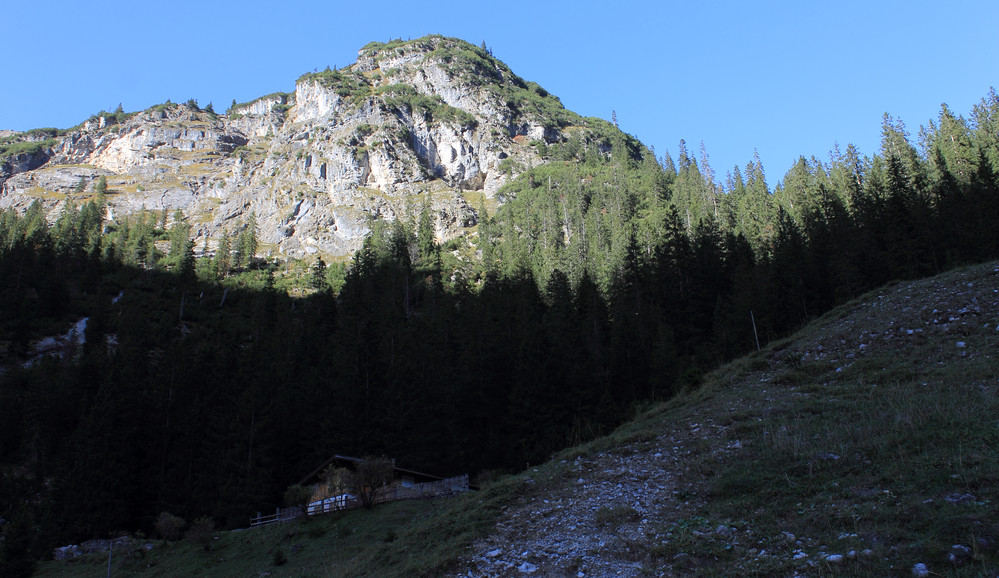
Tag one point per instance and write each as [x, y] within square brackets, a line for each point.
[751, 317]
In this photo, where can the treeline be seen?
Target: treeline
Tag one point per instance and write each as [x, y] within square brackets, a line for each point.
[604, 207]
[609, 279]
[577, 211]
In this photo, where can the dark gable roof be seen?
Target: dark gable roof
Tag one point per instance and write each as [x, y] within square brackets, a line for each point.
[349, 461]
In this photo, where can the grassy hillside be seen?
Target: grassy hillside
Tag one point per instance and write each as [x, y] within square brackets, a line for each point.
[863, 445]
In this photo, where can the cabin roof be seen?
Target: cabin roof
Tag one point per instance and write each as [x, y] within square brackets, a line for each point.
[351, 461]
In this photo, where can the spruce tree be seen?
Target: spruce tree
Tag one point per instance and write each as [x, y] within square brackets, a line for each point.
[179, 234]
[246, 242]
[985, 121]
[953, 139]
[223, 258]
[101, 186]
[186, 264]
[426, 238]
[318, 276]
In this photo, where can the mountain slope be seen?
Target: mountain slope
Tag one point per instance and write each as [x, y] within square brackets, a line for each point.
[862, 445]
[434, 120]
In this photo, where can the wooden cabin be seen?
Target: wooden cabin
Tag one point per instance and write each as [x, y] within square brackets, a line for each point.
[332, 493]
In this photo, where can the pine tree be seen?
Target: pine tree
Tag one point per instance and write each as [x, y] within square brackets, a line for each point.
[984, 190]
[187, 264]
[101, 186]
[485, 240]
[710, 189]
[846, 174]
[895, 143]
[756, 210]
[985, 122]
[318, 275]
[222, 261]
[904, 219]
[426, 238]
[246, 242]
[179, 234]
[787, 301]
[796, 192]
[953, 139]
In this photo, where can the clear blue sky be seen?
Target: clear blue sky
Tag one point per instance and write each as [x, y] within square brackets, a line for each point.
[787, 78]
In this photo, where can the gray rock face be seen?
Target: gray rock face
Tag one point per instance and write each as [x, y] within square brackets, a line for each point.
[406, 124]
[20, 163]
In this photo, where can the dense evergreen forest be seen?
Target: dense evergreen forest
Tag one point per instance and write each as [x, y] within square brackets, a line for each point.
[607, 280]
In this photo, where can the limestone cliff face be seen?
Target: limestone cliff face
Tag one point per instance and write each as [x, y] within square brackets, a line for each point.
[431, 120]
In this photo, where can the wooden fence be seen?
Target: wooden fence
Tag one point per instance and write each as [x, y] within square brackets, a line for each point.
[439, 488]
[279, 516]
[425, 490]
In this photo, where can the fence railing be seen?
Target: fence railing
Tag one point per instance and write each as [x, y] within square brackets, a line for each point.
[279, 516]
[423, 490]
[443, 487]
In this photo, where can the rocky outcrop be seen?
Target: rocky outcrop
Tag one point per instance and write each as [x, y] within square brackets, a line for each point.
[316, 103]
[261, 106]
[430, 119]
[123, 546]
[23, 162]
[261, 117]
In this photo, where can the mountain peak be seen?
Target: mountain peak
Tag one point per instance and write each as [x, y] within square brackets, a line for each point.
[429, 120]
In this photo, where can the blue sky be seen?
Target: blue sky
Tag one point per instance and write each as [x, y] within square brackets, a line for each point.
[785, 78]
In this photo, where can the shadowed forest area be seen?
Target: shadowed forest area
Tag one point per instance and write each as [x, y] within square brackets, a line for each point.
[607, 280]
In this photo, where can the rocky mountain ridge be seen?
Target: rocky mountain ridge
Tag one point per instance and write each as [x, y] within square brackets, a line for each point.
[432, 122]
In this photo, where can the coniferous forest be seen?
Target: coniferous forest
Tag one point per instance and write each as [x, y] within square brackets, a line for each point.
[607, 280]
